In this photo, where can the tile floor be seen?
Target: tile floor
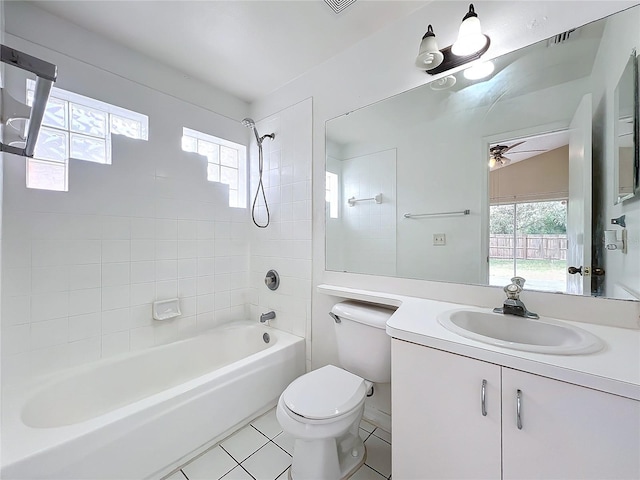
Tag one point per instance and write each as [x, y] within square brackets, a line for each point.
[261, 451]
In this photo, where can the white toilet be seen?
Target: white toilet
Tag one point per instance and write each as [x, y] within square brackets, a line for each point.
[323, 408]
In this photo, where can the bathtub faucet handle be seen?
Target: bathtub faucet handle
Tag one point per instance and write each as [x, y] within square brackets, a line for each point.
[265, 317]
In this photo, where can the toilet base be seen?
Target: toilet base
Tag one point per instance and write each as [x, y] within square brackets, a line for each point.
[348, 467]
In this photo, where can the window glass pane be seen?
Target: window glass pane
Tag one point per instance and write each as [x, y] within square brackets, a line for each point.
[210, 150]
[89, 121]
[229, 156]
[213, 172]
[51, 145]
[233, 198]
[126, 126]
[88, 148]
[501, 244]
[30, 95]
[55, 114]
[189, 144]
[229, 176]
[46, 175]
[541, 238]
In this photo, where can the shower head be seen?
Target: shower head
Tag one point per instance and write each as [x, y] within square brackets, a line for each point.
[249, 123]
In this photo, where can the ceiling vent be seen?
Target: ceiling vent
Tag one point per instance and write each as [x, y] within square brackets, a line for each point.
[563, 37]
[339, 5]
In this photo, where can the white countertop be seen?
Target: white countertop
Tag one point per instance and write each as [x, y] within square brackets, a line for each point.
[614, 369]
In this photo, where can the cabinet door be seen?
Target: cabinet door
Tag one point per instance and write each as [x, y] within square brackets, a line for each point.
[568, 432]
[439, 430]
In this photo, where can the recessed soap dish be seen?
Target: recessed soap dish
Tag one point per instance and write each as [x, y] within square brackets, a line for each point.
[166, 309]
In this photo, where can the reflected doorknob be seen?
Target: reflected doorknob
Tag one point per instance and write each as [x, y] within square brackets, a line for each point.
[574, 270]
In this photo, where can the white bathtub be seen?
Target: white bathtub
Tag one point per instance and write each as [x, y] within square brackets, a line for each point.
[138, 415]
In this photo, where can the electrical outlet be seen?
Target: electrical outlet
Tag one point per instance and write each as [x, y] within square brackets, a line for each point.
[439, 239]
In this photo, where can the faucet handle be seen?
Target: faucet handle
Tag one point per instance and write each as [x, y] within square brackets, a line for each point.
[513, 291]
[518, 281]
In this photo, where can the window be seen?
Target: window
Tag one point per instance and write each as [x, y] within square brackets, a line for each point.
[78, 127]
[331, 196]
[529, 240]
[226, 162]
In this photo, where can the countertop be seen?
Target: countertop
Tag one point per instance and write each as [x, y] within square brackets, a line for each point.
[614, 369]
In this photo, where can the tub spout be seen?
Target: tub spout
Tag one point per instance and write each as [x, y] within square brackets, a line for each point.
[265, 317]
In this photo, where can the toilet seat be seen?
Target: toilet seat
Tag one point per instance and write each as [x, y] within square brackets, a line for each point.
[325, 393]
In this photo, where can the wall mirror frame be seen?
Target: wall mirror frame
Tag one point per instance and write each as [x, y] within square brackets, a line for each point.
[438, 183]
[626, 135]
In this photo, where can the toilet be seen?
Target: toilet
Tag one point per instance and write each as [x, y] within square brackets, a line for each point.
[322, 409]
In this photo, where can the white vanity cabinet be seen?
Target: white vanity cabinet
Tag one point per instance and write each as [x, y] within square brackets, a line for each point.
[568, 431]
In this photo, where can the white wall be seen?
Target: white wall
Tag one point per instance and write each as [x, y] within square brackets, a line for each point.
[622, 278]
[382, 66]
[367, 242]
[82, 267]
[285, 245]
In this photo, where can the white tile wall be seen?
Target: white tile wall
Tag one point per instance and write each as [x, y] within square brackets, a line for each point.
[285, 245]
[84, 266]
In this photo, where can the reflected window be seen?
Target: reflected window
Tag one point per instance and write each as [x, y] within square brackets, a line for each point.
[331, 196]
[78, 127]
[529, 240]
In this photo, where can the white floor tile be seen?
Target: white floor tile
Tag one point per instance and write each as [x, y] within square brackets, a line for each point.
[366, 426]
[364, 434]
[243, 443]
[386, 436]
[378, 455]
[210, 466]
[237, 473]
[176, 476]
[268, 424]
[366, 473]
[286, 441]
[267, 463]
[284, 475]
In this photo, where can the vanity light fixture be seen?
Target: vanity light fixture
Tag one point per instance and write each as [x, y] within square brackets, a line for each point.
[470, 46]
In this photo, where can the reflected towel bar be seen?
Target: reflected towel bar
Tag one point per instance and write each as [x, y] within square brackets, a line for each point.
[353, 200]
[449, 214]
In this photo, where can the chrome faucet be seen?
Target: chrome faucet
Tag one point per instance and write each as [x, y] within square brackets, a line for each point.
[512, 304]
[265, 317]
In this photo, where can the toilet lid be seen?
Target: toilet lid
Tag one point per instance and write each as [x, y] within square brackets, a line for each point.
[324, 393]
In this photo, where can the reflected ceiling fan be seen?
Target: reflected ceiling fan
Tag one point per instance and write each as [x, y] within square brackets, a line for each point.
[496, 154]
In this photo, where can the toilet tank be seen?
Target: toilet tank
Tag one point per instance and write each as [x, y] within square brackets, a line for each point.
[364, 348]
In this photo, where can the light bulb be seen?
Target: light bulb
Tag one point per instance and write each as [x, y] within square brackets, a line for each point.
[479, 71]
[429, 56]
[470, 38]
[492, 162]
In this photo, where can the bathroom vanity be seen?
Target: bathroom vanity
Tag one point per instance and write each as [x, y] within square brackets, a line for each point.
[463, 408]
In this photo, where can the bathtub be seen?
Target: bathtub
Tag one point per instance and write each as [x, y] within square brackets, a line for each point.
[137, 416]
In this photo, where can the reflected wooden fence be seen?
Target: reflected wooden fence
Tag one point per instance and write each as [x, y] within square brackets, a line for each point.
[533, 247]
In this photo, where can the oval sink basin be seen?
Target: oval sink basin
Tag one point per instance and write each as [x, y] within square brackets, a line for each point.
[519, 333]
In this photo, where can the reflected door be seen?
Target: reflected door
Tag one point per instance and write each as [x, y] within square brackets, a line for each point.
[579, 209]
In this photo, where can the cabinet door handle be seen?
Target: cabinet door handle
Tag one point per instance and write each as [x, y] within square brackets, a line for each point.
[483, 397]
[519, 409]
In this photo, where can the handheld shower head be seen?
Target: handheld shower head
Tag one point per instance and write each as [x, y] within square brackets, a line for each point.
[250, 123]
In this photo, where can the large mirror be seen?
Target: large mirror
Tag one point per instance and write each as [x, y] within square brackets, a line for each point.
[475, 180]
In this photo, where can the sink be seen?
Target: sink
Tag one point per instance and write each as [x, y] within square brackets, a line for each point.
[519, 333]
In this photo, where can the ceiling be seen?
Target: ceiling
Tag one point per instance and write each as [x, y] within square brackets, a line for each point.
[534, 146]
[246, 48]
